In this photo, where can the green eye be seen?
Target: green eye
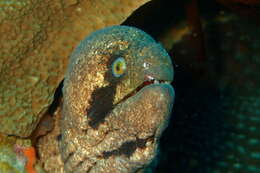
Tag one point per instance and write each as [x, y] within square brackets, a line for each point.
[119, 67]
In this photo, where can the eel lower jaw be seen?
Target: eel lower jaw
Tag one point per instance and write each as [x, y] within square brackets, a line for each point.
[148, 81]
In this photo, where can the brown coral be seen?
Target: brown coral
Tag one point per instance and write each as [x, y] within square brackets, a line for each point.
[36, 40]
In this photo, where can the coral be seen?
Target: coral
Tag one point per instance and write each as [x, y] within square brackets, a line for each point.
[10, 160]
[29, 153]
[36, 40]
[17, 156]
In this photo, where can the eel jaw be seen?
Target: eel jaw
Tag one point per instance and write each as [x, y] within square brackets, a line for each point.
[149, 80]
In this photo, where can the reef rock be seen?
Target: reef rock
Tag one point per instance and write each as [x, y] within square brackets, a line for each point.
[37, 38]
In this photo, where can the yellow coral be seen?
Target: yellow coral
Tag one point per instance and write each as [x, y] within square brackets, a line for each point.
[36, 40]
[5, 167]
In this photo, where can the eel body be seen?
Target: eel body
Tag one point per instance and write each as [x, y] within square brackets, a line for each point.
[116, 102]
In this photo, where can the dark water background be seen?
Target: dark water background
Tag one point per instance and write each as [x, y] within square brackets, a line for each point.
[215, 124]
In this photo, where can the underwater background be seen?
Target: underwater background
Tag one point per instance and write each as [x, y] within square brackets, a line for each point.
[215, 47]
[215, 123]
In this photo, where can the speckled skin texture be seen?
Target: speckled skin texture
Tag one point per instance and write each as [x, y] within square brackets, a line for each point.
[48, 148]
[36, 39]
[103, 128]
[102, 131]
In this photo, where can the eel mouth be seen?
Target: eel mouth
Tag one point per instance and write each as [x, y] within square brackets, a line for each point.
[149, 80]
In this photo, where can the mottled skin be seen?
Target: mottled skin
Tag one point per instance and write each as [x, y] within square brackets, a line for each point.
[103, 128]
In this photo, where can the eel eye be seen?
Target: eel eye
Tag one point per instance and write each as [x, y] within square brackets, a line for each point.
[119, 67]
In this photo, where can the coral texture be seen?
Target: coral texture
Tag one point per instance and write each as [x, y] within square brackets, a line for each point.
[12, 160]
[36, 40]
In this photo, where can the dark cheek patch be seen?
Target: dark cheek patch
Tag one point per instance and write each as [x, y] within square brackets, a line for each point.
[101, 104]
[127, 148]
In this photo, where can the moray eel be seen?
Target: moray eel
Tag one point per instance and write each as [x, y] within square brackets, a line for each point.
[117, 102]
